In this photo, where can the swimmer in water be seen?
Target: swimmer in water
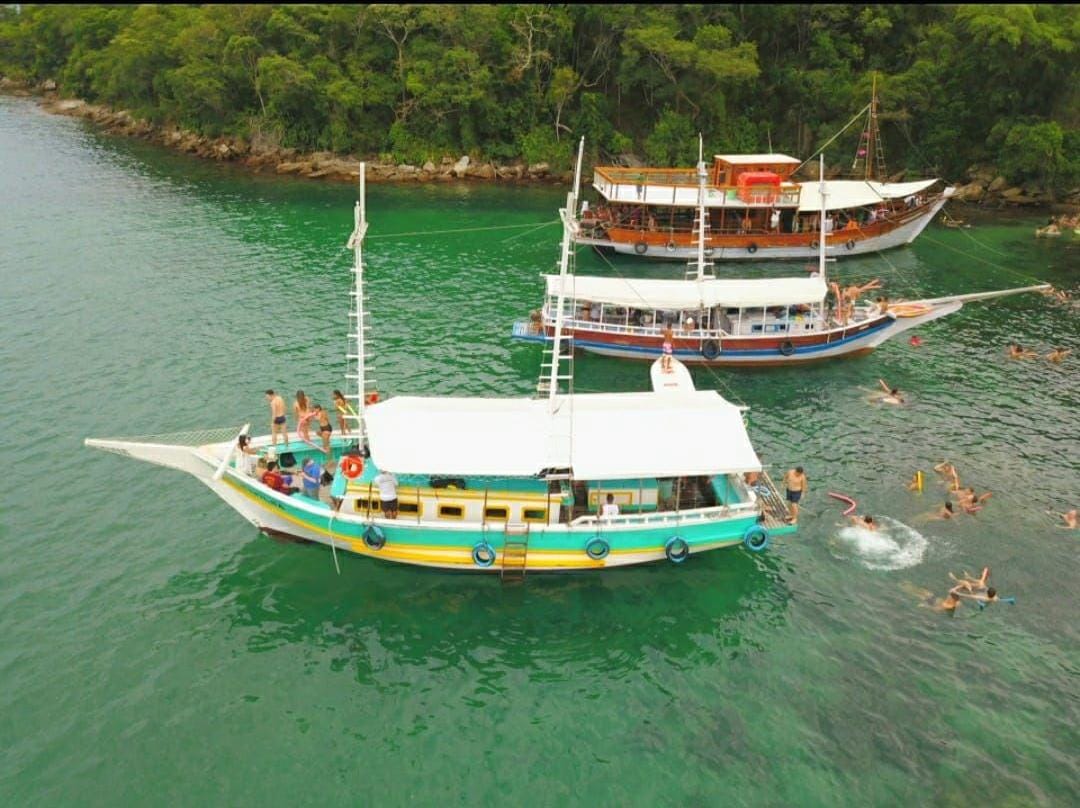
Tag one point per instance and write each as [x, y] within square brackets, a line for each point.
[915, 342]
[991, 595]
[892, 395]
[1058, 354]
[1017, 351]
[946, 511]
[1071, 519]
[948, 470]
[928, 600]
[969, 583]
[865, 522]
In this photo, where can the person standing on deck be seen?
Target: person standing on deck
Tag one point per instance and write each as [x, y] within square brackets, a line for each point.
[277, 418]
[669, 338]
[343, 408]
[325, 429]
[388, 498]
[301, 410]
[311, 478]
[796, 484]
[610, 508]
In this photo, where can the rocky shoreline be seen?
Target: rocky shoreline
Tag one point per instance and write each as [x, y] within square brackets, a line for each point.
[262, 157]
[986, 187]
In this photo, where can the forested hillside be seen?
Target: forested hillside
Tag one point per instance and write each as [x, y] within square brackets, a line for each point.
[958, 84]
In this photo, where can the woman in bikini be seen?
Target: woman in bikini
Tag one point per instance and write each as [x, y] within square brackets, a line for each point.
[343, 408]
[669, 336]
[325, 430]
[301, 410]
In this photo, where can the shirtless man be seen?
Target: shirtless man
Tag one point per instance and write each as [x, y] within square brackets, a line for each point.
[1017, 351]
[277, 417]
[892, 394]
[929, 601]
[1072, 519]
[1058, 354]
[796, 483]
[971, 502]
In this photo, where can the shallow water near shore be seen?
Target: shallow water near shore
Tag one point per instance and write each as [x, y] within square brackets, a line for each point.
[157, 649]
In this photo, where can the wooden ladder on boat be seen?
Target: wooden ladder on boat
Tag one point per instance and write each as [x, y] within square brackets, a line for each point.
[774, 508]
[515, 552]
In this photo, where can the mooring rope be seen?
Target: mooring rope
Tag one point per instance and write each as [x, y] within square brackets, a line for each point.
[462, 230]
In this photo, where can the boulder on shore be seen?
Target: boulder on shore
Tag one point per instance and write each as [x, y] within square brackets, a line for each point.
[998, 184]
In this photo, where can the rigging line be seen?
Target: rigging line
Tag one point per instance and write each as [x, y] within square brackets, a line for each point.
[983, 260]
[834, 137]
[984, 246]
[734, 396]
[458, 230]
[527, 232]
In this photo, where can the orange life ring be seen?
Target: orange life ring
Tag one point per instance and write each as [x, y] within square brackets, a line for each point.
[372, 398]
[352, 466]
[910, 309]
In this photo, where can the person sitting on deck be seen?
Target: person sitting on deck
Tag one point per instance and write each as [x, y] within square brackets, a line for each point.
[275, 480]
[610, 508]
[852, 224]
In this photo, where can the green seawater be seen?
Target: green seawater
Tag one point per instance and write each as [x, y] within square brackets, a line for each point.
[155, 649]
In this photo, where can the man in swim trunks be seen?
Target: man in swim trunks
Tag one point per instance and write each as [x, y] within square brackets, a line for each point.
[277, 417]
[796, 484]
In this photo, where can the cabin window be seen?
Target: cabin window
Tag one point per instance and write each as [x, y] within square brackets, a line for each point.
[411, 508]
[361, 504]
[534, 514]
[451, 512]
[499, 512]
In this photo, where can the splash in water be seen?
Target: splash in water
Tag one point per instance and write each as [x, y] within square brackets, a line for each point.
[893, 546]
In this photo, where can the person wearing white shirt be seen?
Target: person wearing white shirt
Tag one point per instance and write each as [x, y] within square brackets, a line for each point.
[387, 483]
[610, 508]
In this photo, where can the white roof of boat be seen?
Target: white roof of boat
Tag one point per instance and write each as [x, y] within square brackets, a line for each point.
[692, 294]
[605, 436]
[856, 193]
[753, 159]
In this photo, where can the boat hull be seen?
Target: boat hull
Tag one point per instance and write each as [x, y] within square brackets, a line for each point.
[769, 351]
[551, 548]
[791, 246]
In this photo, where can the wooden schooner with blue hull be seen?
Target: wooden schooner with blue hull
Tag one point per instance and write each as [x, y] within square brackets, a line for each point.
[509, 485]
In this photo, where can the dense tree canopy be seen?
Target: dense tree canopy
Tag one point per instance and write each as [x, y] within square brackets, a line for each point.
[958, 84]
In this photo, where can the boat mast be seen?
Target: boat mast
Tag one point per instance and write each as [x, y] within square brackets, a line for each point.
[358, 358]
[561, 349]
[821, 223]
[701, 208]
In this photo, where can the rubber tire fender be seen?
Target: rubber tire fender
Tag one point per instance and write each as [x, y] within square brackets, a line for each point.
[815, 244]
[677, 550]
[756, 538]
[850, 244]
[597, 548]
[641, 248]
[710, 349]
[374, 537]
[671, 247]
[787, 348]
[483, 554]
[752, 248]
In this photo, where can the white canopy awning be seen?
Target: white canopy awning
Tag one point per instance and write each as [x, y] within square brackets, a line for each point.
[756, 159]
[691, 294]
[842, 194]
[606, 436]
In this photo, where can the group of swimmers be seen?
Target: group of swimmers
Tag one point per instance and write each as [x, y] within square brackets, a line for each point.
[975, 589]
[966, 499]
[1017, 351]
